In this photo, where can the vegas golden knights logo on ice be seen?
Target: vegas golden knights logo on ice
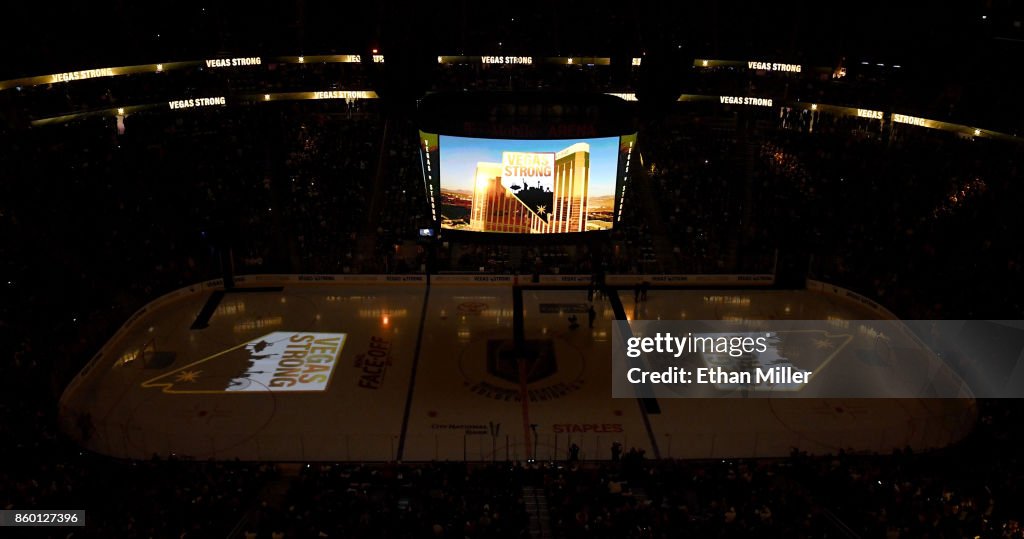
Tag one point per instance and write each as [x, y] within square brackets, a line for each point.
[550, 368]
[278, 361]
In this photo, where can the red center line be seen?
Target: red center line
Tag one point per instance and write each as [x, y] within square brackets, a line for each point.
[523, 398]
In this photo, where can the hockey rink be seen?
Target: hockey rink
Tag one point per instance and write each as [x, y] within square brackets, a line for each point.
[378, 369]
[768, 427]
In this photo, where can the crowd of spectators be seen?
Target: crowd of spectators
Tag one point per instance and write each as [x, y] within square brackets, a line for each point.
[326, 185]
[905, 215]
[401, 207]
[908, 216]
[697, 178]
[968, 490]
[438, 500]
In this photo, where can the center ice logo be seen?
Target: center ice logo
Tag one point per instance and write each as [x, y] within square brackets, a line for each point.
[278, 361]
[538, 360]
[495, 369]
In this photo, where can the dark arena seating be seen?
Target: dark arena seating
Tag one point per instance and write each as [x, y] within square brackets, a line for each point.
[868, 148]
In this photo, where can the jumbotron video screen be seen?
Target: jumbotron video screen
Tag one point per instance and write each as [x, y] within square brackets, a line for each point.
[550, 186]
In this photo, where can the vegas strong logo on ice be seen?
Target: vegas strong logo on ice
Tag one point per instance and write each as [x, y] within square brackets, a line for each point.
[278, 361]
